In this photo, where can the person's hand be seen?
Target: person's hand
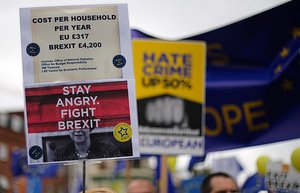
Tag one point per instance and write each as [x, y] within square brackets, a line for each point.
[99, 190]
[166, 111]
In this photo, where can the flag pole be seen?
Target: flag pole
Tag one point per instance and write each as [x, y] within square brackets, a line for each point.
[163, 183]
[83, 175]
[128, 171]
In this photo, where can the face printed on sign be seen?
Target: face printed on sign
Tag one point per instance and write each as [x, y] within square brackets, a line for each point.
[80, 135]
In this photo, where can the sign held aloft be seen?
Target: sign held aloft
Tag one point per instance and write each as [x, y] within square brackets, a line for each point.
[79, 83]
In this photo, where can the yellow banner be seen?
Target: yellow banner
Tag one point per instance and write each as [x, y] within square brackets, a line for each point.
[174, 68]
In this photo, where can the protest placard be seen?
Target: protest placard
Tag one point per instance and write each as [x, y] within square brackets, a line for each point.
[170, 84]
[79, 84]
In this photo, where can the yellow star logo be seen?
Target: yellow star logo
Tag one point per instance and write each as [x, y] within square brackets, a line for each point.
[296, 32]
[287, 85]
[278, 69]
[284, 52]
[123, 132]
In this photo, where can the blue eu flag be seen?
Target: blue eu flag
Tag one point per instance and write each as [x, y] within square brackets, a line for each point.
[252, 79]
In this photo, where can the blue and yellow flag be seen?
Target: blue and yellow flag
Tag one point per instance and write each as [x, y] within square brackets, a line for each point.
[252, 79]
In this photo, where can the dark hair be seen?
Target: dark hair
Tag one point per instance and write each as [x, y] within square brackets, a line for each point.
[205, 185]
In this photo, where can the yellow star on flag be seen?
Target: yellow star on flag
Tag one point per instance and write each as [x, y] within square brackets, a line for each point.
[278, 69]
[296, 32]
[287, 85]
[284, 52]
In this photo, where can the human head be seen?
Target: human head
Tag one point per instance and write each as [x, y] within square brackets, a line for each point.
[141, 186]
[219, 183]
[80, 135]
[99, 190]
